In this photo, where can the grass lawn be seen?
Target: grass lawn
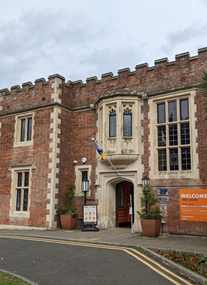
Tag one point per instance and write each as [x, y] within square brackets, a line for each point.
[6, 279]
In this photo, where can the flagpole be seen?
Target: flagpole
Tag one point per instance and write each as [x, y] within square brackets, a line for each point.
[113, 166]
[107, 157]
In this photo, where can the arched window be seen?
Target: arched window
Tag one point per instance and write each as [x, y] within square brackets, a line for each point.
[127, 123]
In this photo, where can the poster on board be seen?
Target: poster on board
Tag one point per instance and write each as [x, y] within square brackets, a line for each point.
[193, 205]
[90, 215]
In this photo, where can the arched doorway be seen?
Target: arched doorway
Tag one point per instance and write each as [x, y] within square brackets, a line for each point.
[124, 198]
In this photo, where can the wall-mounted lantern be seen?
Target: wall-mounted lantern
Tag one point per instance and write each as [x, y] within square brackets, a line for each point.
[85, 188]
[145, 181]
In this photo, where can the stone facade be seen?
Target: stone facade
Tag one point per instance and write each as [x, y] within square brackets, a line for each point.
[46, 130]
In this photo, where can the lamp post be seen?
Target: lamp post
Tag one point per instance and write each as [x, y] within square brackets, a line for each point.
[89, 210]
[85, 188]
[145, 181]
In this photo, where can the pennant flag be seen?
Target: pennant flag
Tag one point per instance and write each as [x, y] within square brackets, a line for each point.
[103, 155]
[100, 150]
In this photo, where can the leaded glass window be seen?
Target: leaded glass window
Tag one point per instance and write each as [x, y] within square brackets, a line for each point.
[172, 111]
[162, 136]
[112, 124]
[185, 133]
[174, 159]
[184, 110]
[22, 191]
[22, 130]
[162, 160]
[186, 160]
[127, 123]
[161, 113]
[173, 135]
[29, 129]
[26, 129]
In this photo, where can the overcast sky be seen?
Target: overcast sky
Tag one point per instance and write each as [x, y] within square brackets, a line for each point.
[83, 38]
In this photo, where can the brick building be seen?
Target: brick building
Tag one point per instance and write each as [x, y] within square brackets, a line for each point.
[149, 120]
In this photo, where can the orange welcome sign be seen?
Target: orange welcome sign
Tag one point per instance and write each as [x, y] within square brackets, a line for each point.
[193, 205]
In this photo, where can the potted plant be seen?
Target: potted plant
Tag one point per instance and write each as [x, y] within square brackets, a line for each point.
[150, 214]
[68, 213]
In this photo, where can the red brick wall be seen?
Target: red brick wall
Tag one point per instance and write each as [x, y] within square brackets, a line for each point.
[77, 130]
[7, 140]
[37, 155]
[173, 223]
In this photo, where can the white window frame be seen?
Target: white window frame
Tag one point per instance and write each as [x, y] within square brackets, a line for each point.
[18, 119]
[78, 182]
[178, 123]
[153, 137]
[15, 169]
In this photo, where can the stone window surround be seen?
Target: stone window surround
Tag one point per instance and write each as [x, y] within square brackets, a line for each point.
[153, 159]
[128, 107]
[117, 147]
[78, 182]
[112, 109]
[14, 169]
[115, 106]
[18, 118]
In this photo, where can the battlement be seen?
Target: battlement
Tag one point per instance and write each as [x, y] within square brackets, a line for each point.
[184, 72]
[29, 85]
[161, 63]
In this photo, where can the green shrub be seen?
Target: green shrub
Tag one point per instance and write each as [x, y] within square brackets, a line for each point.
[69, 208]
[148, 201]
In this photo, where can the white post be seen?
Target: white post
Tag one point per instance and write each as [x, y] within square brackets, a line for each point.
[131, 213]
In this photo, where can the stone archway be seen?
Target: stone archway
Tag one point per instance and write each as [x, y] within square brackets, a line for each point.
[106, 196]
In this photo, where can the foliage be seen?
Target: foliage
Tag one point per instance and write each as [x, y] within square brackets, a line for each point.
[203, 86]
[68, 209]
[189, 260]
[149, 200]
[6, 279]
[62, 209]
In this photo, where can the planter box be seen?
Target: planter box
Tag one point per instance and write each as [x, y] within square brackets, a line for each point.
[151, 228]
[68, 222]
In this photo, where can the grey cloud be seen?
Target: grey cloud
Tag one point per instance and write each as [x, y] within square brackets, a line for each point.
[37, 36]
[111, 59]
[181, 36]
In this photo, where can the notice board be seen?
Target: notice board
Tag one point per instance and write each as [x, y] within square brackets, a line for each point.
[193, 205]
[90, 215]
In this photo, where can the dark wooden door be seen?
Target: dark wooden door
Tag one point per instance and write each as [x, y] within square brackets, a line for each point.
[123, 191]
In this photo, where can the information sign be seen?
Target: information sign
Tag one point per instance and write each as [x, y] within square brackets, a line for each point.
[163, 199]
[193, 205]
[162, 191]
[90, 215]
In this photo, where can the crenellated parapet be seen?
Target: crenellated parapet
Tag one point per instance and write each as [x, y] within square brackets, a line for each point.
[30, 95]
[183, 72]
[175, 68]
[29, 85]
